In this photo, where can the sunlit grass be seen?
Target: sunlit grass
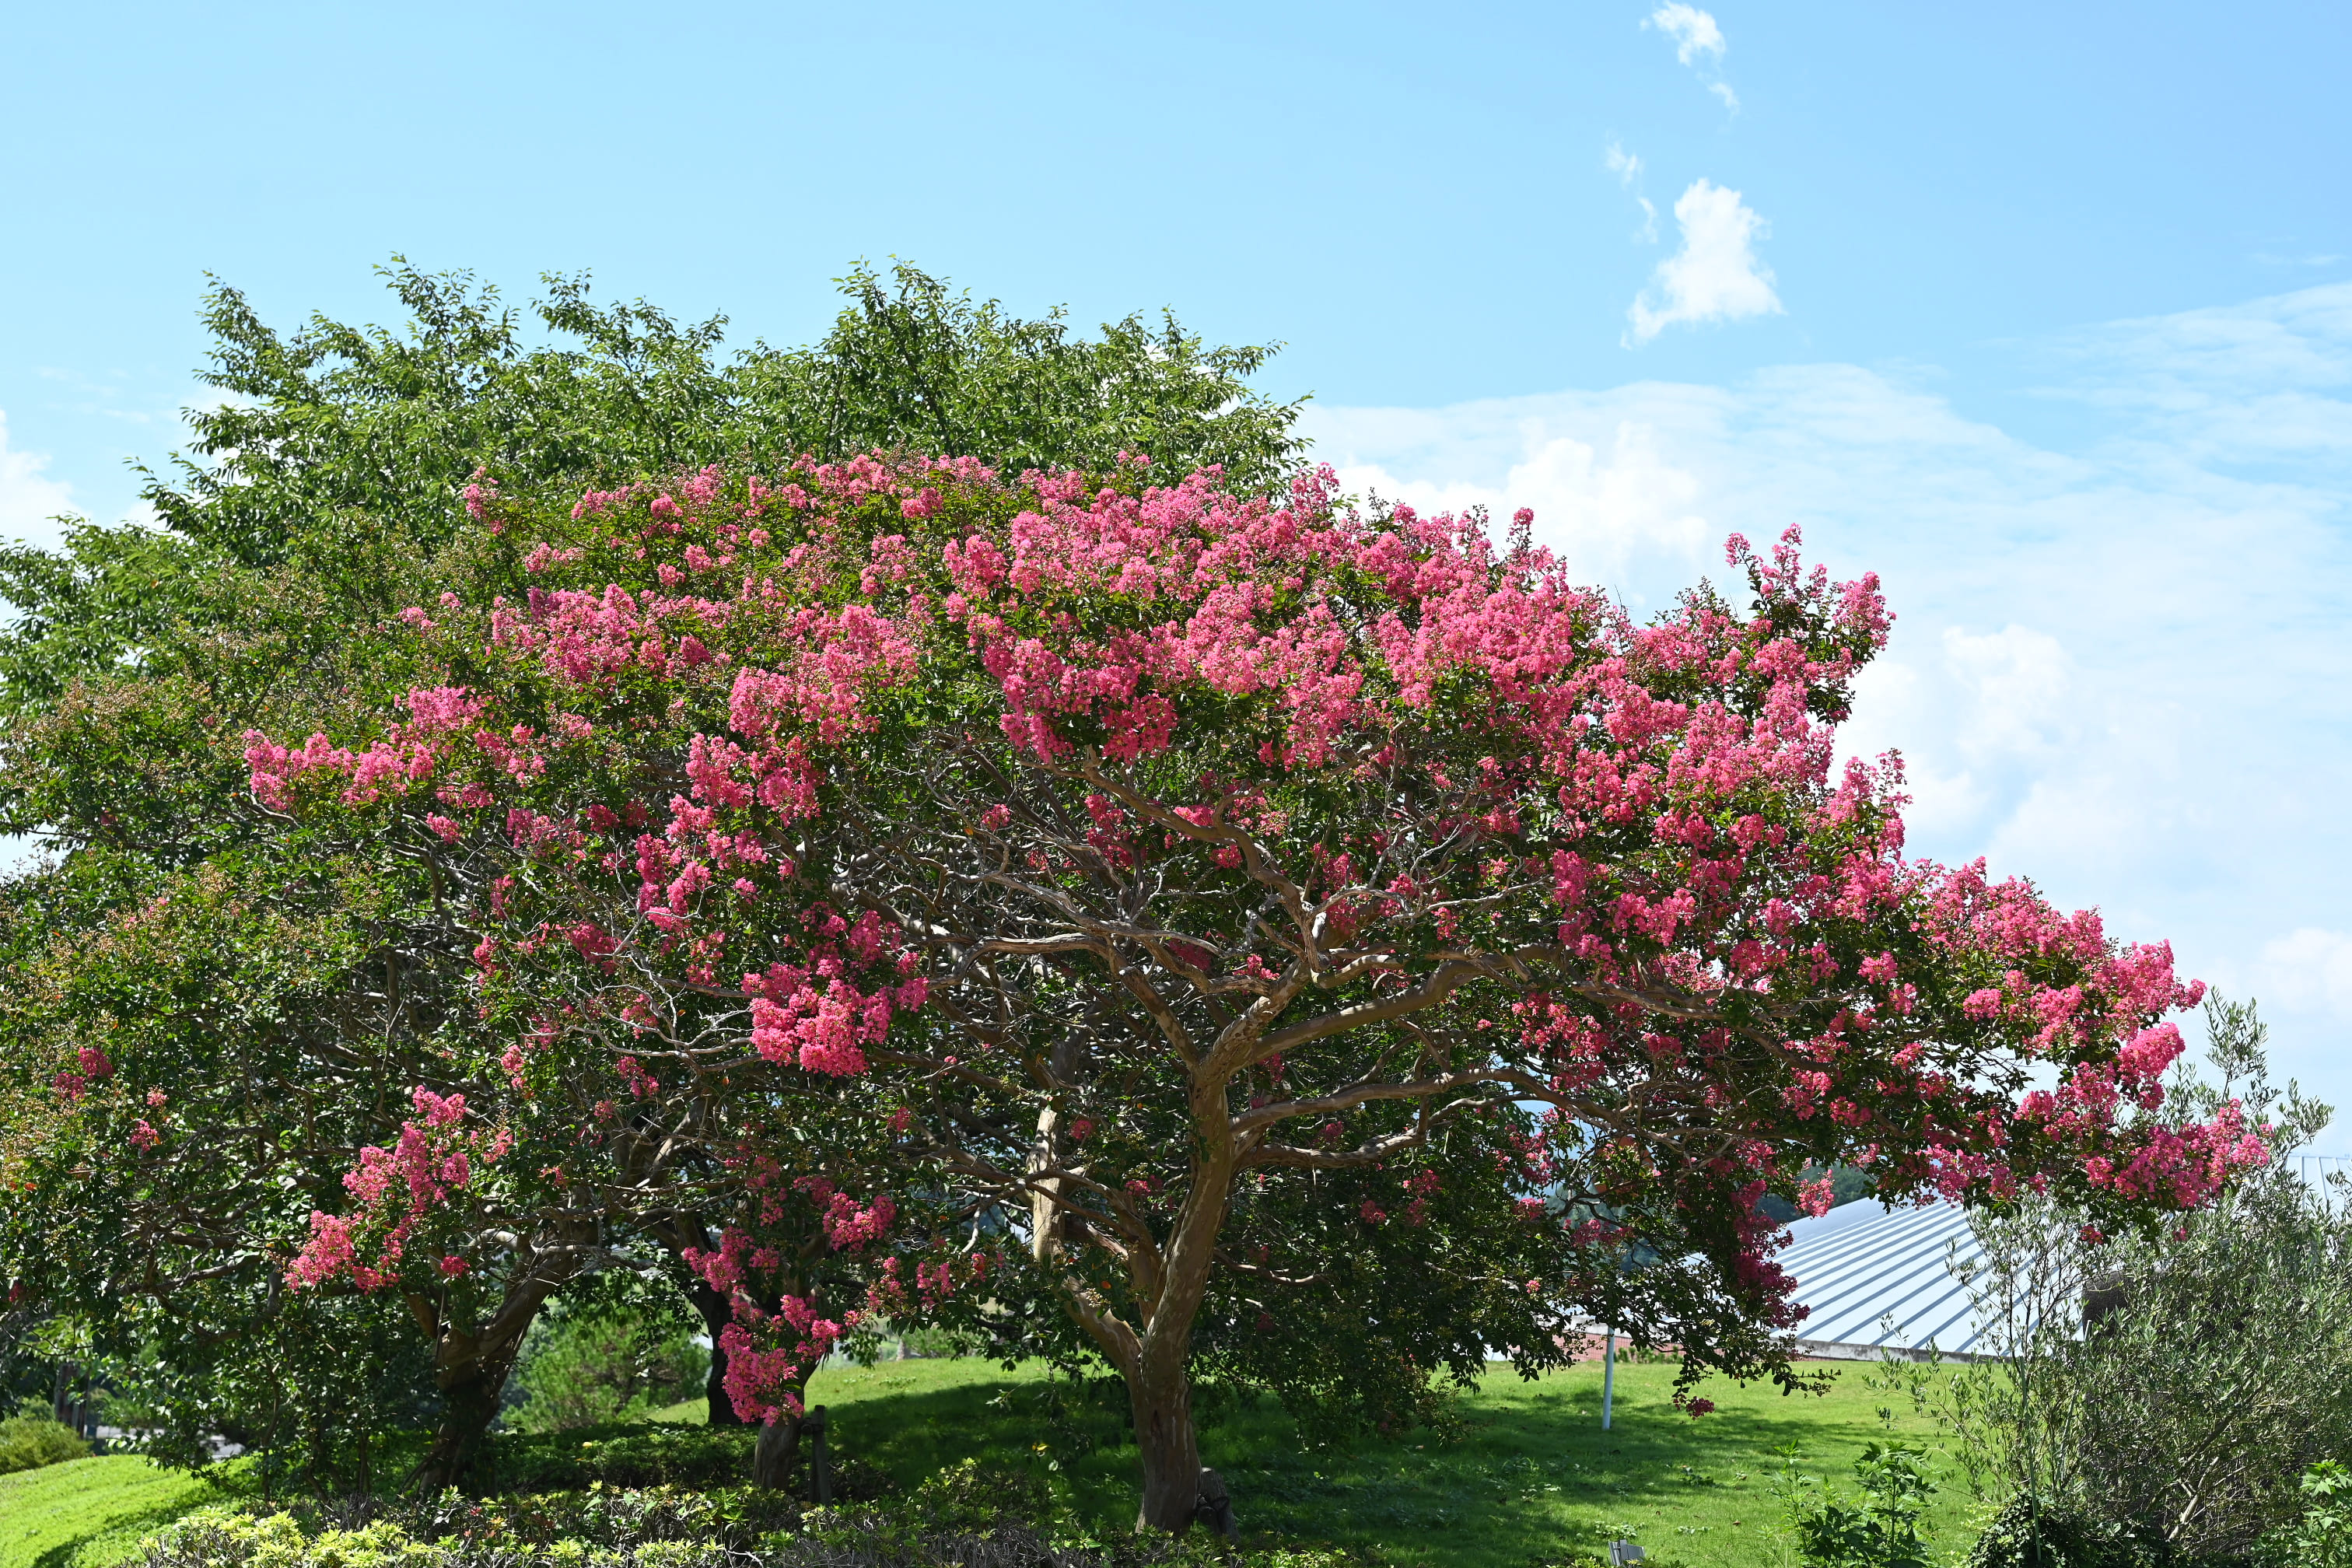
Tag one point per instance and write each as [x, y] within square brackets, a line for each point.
[86, 1513]
[1521, 1475]
[1525, 1476]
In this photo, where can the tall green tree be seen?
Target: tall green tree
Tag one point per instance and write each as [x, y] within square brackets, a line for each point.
[332, 446]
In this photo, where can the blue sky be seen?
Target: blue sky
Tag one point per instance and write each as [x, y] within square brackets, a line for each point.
[2044, 314]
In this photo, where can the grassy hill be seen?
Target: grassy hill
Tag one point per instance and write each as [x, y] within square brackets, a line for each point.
[86, 1514]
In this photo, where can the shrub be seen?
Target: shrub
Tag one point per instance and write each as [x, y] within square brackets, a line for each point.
[2169, 1385]
[2026, 1534]
[616, 1455]
[28, 1441]
[1882, 1529]
[2322, 1538]
[968, 1515]
[598, 1366]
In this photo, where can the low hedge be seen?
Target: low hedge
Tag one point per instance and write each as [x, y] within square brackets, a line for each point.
[966, 1515]
[623, 1454]
[28, 1441]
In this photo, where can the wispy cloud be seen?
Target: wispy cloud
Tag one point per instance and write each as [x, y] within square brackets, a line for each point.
[2118, 664]
[1698, 43]
[29, 498]
[1715, 276]
[2311, 968]
[1693, 31]
[1627, 167]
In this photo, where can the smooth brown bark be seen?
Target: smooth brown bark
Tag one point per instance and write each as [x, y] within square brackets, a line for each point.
[779, 1446]
[1171, 1451]
[776, 1452]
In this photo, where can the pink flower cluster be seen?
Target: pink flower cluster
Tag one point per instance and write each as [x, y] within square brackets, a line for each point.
[848, 1224]
[396, 1189]
[400, 761]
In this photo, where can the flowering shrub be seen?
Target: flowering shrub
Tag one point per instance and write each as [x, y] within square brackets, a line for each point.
[1275, 844]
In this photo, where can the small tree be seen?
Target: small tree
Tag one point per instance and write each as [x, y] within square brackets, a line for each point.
[2170, 1380]
[602, 1361]
[1145, 848]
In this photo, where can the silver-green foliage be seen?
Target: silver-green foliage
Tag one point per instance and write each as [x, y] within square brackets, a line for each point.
[2170, 1384]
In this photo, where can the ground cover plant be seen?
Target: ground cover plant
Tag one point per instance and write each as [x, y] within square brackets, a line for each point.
[1518, 1472]
[88, 1513]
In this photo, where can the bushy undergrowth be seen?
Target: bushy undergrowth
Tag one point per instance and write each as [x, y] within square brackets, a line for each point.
[28, 1441]
[624, 1455]
[2025, 1534]
[970, 1515]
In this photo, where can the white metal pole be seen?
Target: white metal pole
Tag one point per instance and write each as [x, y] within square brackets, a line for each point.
[1608, 1376]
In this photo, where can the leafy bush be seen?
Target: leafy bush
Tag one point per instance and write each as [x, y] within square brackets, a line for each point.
[1882, 1529]
[2322, 1538]
[28, 1441]
[591, 1368]
[615, 1454]
[2169, 1385]
[2026, 1535]
[632, 1455]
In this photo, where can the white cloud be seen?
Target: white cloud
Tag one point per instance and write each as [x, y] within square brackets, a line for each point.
[1627, 167]
[2117, 666]
[29, 497]
[1608, 517]
[1698, 43]
[2311, 968]
[1693, 31]
[1715, 276]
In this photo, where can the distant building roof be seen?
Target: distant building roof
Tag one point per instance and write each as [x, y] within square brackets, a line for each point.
[1878, 1278]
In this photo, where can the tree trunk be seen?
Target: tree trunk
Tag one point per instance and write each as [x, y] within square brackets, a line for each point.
[677, 1233]
[774, 1456]
[778, 1449]
[470, 1368]
[1161, 1396]
[716, 1315]
[470, 1392]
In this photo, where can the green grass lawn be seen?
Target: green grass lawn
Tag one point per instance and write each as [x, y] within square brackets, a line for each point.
[85, 1514]
[1525, 1477]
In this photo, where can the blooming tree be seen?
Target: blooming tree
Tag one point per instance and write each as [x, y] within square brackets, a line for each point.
[1199, 879]
[131, 658]
[179, 1084]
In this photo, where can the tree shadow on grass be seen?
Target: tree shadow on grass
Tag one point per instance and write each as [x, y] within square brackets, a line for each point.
[1521, 1473]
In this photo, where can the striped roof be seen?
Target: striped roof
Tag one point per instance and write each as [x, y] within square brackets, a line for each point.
[1861, 1264]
